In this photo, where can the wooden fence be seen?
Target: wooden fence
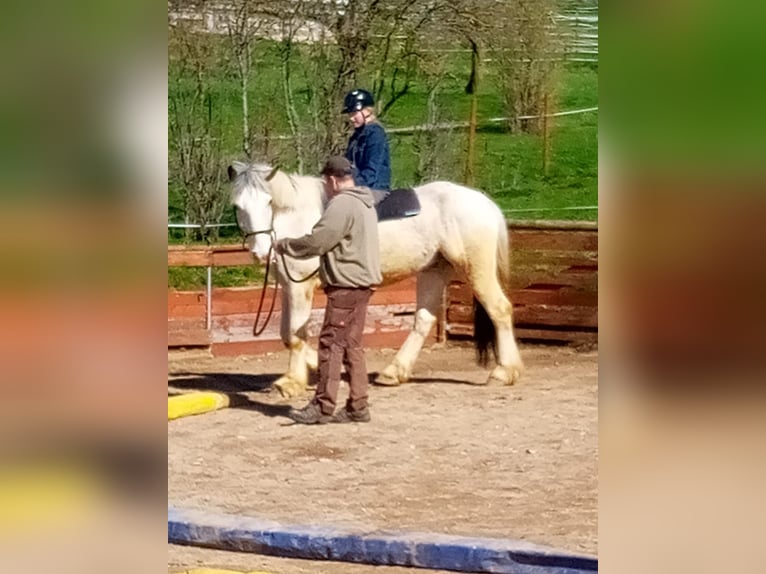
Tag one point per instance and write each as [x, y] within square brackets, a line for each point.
[554, 291]
[554, 284]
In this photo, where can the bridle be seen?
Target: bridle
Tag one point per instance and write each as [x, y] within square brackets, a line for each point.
[257, 331]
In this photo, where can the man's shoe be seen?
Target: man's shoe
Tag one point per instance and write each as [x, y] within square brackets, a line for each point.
[311, 414]
[347, 416]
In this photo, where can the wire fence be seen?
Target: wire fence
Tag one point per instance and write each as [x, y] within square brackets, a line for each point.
[462, 125]
[505, 212]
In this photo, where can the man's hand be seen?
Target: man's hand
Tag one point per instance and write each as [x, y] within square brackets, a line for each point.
[279, 246]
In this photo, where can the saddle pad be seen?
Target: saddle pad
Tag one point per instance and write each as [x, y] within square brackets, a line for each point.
[396, 203]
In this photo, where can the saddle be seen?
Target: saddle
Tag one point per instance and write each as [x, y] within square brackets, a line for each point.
[396, 204]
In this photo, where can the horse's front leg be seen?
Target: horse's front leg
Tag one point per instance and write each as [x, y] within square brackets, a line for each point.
[297, 301]
[430, 289]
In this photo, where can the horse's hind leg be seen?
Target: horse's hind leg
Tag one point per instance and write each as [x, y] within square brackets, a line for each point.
[488, 291]
[431, 284]
[296, 310]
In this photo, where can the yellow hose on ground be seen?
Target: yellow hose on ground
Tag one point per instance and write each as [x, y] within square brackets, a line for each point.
[196, 403]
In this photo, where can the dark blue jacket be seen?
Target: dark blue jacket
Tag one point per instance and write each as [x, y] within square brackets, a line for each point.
[368, 153]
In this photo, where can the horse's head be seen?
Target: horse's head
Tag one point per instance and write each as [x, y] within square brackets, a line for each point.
[252, 200]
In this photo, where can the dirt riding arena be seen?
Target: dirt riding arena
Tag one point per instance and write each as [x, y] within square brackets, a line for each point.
[442, 454]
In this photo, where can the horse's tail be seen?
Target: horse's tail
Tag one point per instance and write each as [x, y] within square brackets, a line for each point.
[504, 256]
[484, 332]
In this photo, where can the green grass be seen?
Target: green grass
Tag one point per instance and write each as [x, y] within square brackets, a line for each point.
[193, 278]
[508, 166]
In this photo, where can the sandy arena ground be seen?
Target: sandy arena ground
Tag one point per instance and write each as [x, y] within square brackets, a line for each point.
[442, 454]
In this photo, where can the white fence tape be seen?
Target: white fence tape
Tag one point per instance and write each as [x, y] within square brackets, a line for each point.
[197, 225]
[459, 125]
[520, 210]
[453, 125]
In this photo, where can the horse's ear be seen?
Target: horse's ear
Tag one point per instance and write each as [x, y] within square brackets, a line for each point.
[236, 168]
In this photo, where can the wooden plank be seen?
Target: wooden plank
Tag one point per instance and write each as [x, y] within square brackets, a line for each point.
[228, 349]
[233, 258]
[186, 312]
[189, 338]
[524, 258]
[237, 327]
[529, 239]
[523, 237]
[227, 301]
[557, 296]
[228, 248]
[571, 236]
[187, 333]
[552, 335]
[234, 328]
[461, 294]
[375, 340]
[562, 225]
[460, 314]
[189, 258]
[186, 304]
[218, 256]
[533, 334]
[587, 282]
[459, 329]
[555, 315]
[552, 315]
[389, 318]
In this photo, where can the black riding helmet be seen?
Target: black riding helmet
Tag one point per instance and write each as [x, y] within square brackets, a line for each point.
[356, 100]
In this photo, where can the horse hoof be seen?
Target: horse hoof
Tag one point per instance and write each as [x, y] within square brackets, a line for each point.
[389, 377]
[386, 381]
[289, 388]
[504, 376]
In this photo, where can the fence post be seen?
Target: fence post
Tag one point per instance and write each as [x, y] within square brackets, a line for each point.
[209, 298]
[546, 136]
[472, 122]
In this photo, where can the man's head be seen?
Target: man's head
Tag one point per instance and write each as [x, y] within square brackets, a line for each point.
[338, 174]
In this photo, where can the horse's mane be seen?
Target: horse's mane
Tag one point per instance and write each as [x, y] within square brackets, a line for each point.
[288, 191]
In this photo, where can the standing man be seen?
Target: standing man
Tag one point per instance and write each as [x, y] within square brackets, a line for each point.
[346, 239]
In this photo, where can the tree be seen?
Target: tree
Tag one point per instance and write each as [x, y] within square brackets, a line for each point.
[194, 140]
[242, 28]
[522, 37]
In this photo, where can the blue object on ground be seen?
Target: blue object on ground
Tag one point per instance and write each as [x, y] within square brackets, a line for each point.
[425, 550]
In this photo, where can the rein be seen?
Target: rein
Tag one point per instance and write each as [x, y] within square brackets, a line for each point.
[256, 330]
[290, 277]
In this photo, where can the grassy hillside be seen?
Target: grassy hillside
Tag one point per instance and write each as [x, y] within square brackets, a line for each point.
[508, 166]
